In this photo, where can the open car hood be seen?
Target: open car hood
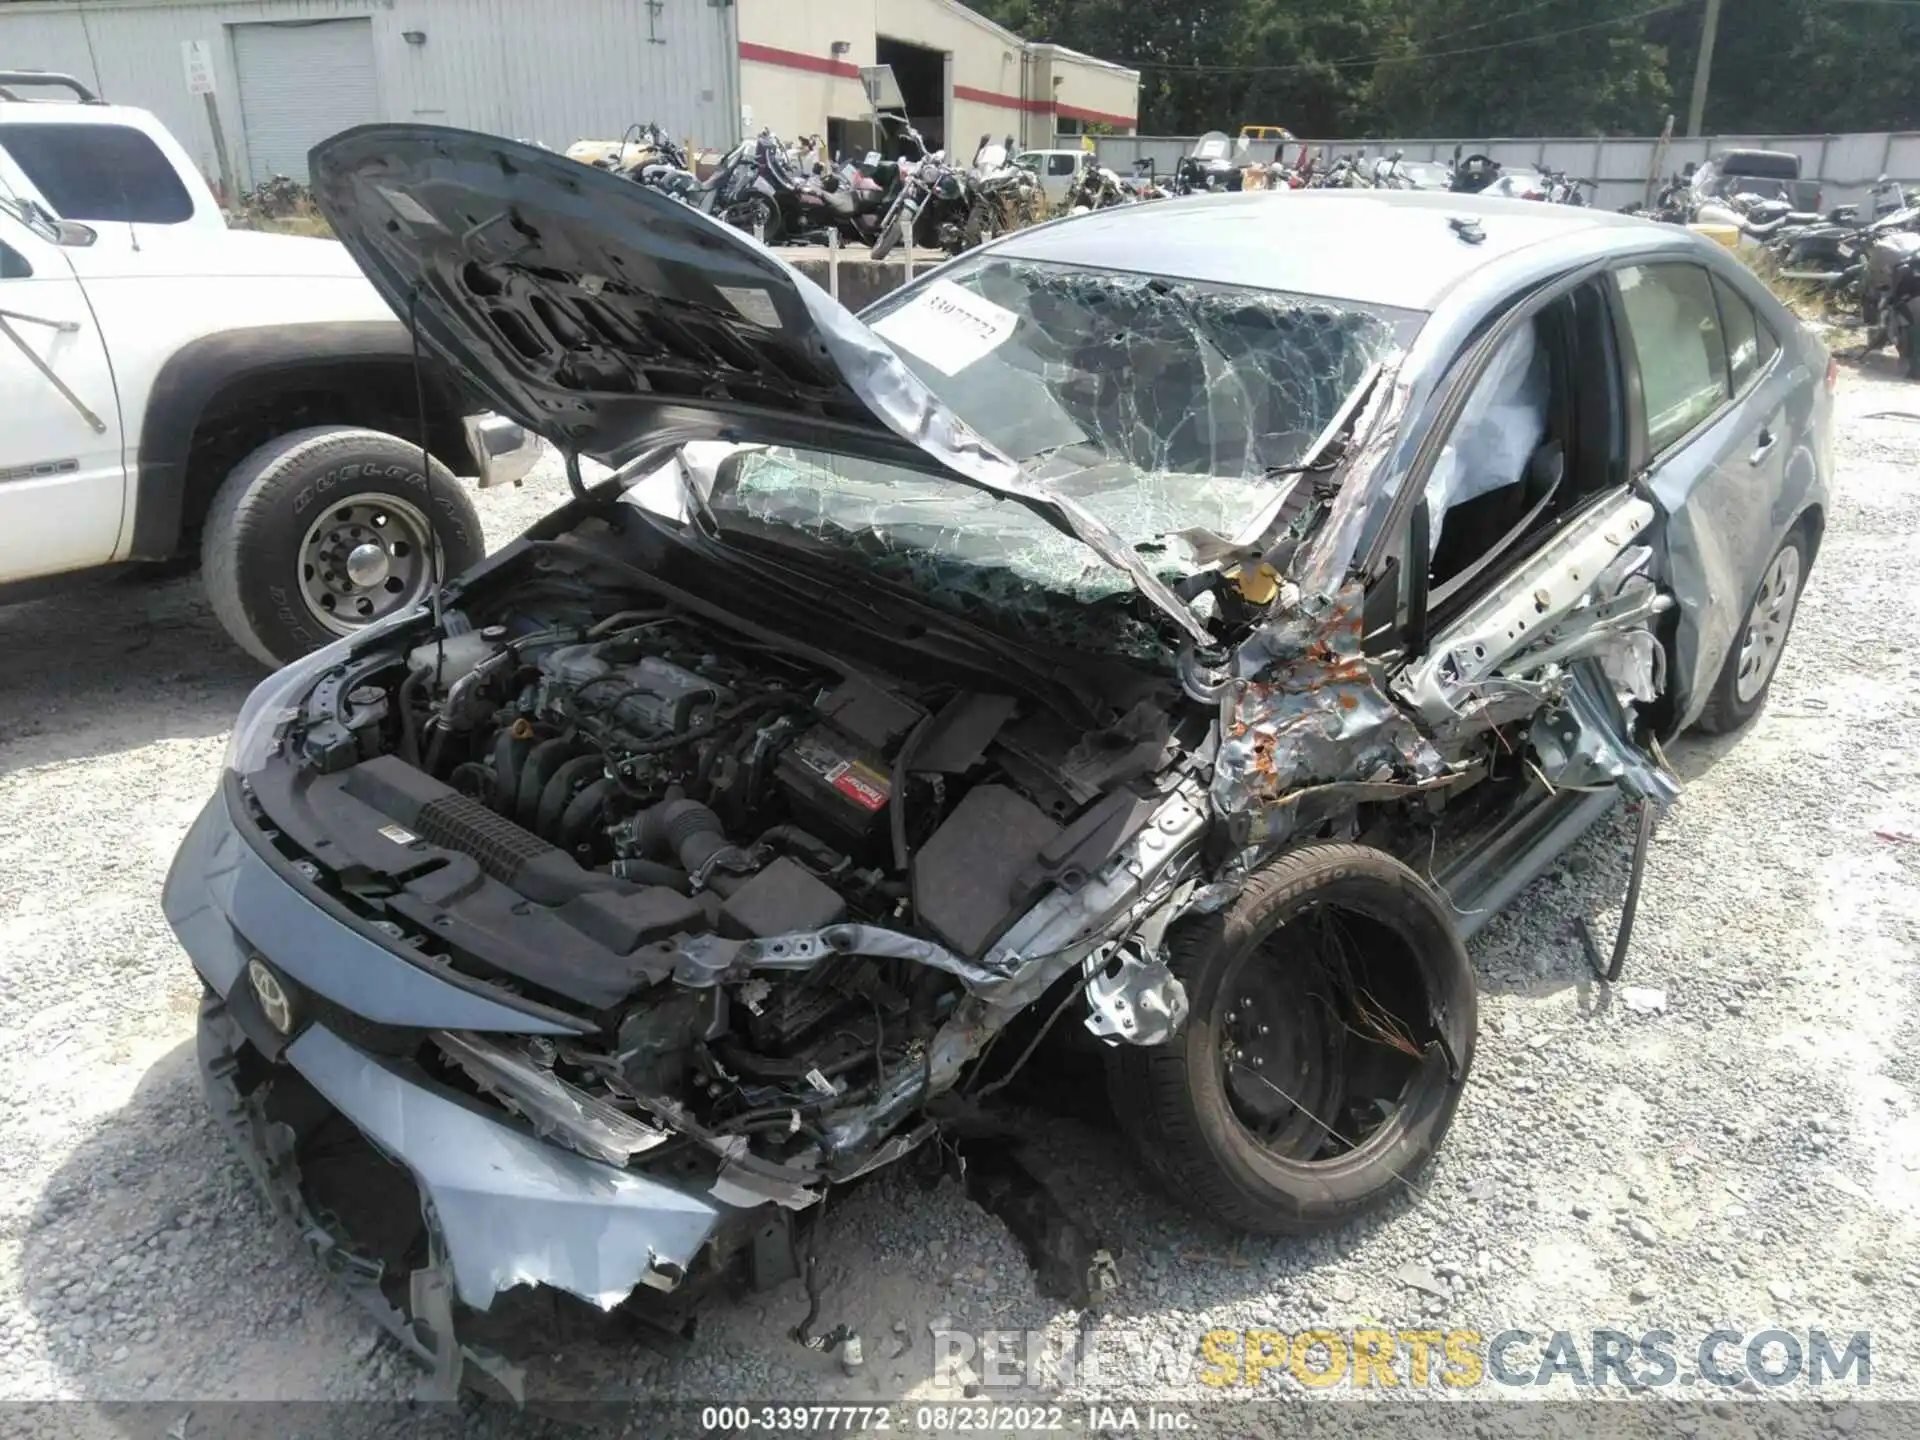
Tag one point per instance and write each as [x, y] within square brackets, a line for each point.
[609, 318]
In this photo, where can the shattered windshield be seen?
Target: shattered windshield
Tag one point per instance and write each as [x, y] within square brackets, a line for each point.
[1159, 405]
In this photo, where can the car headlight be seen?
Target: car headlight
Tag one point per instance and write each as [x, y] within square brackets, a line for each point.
[275, 698]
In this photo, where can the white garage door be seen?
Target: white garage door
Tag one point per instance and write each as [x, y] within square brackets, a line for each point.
[299, 84]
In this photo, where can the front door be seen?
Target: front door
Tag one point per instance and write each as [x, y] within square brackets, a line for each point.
[62, 481]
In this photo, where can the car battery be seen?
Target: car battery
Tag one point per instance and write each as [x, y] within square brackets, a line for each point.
[837, 787]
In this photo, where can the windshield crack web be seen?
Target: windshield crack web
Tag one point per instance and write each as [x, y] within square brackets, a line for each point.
[1158, 405]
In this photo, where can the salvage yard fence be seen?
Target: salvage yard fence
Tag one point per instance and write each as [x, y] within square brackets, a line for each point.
[1845, 165]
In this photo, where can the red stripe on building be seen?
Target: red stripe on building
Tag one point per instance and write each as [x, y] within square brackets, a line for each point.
[1005, 102]
[1096, 117]
[794, 60]
[1039, 107]
[819, 65]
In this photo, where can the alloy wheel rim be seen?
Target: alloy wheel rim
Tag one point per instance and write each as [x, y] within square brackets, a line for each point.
[1767, 625]
[364, 558]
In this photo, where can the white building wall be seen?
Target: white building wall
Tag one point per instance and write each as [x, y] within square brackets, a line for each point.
[553, 71]
[1090, 92]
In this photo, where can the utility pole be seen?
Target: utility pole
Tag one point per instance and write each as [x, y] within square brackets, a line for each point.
[1702, 68]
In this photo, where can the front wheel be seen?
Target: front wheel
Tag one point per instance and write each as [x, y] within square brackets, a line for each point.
[1331, 1023]
[889, 238]
[323, 531]
[983, 224]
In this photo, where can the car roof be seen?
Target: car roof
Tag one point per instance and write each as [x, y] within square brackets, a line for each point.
[1381, 247]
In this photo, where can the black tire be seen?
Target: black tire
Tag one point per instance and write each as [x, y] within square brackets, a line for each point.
[889, 238]
[1725, 711]
[983, 224]
[250, 549]
[1906, 345]
[1173, 1101]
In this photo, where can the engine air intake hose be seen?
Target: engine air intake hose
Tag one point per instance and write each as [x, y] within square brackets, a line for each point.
[692, 833]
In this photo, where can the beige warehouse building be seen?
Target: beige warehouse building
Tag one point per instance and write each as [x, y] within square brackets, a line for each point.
[961, 75]
[288, 73]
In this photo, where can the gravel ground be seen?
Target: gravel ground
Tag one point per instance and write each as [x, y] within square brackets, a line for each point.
[1734, 1144]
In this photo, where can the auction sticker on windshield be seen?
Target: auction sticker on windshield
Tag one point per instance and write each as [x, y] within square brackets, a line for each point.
[948, 327]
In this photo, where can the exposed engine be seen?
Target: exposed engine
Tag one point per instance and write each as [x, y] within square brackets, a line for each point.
[696, 841]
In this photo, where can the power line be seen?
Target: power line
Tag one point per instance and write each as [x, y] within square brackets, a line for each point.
[1392, 58]
[1502, 20]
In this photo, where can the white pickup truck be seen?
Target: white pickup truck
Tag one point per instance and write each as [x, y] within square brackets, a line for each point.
[170, 387]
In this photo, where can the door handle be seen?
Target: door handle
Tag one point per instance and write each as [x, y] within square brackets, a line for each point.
[1760, 451]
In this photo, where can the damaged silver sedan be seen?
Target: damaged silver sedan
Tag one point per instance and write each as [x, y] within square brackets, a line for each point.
[1192, 622]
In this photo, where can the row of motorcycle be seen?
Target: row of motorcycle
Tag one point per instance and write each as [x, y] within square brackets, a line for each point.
[1217, 164]
[793, 195]
[1862, 260]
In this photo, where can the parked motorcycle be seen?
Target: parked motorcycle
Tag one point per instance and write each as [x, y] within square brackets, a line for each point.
[1005, 196]
[1565, 189]
[1210, 166]
[1474, 173]
[1890, 302]
[1098, 188]
[1145, 182]
[1349, 172]
[930, 204]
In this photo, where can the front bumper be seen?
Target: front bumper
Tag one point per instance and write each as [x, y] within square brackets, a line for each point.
[502, 1208]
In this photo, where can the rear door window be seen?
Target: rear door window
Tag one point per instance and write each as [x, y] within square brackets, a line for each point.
[99, 172]
[1681, 350]
[1750, 344]
[1060, 165]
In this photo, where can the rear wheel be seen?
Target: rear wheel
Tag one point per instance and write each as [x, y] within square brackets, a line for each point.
[758, 217]
[1908, 348]
[323, 531]
[1747, 676]
[1332, 1014]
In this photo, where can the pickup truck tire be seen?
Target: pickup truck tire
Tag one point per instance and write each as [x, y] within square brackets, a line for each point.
[322, 531]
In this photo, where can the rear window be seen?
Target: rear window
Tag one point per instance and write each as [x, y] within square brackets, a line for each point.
[99, 172]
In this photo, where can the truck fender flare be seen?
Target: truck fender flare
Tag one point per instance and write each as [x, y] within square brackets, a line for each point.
[198, 371]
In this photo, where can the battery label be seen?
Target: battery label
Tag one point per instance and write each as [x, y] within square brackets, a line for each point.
[855, 779]
[864, 786]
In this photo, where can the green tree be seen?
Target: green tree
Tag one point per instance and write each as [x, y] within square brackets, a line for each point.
[1530, 67]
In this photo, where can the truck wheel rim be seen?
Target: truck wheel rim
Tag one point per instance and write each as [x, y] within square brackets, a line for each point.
[364, 558]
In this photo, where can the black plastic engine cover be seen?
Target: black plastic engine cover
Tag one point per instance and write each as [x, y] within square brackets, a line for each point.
[502, 902]
[969, 878]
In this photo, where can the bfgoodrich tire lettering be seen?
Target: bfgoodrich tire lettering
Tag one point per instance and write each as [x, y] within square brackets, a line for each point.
[1180, 1112]
[251, 547]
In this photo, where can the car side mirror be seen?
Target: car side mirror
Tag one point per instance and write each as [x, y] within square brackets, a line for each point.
[76, 235]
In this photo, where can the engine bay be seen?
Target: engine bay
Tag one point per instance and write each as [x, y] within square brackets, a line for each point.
[763, 884]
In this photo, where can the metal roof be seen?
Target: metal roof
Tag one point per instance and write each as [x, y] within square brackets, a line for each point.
[1385, 247]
